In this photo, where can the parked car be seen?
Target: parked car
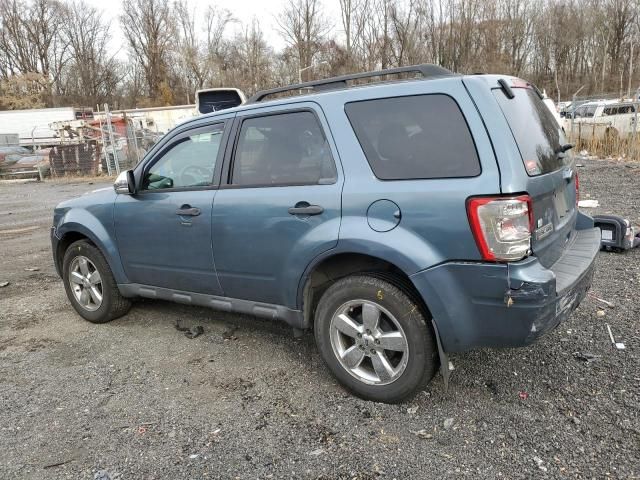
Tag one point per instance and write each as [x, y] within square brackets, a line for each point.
[605, 120]
[553, 109]
[10, 155]
[18, 159]
[401, 221]
[567, 109]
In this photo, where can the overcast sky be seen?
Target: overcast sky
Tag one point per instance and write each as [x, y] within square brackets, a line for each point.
[243, 10]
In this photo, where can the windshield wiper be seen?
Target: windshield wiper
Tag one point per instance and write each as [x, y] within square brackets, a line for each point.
[564, 148]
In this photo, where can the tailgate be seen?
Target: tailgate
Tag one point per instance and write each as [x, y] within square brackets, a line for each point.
[554, 213]
[548, 165]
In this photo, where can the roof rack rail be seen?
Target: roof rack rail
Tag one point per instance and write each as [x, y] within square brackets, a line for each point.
[426, 70]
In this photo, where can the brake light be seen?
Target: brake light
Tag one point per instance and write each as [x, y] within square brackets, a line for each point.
[577, 182]
[501, 226]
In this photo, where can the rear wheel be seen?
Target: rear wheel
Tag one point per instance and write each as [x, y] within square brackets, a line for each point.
[375, 338]
[90, 285]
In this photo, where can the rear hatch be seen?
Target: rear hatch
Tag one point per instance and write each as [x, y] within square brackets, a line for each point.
[552, 180]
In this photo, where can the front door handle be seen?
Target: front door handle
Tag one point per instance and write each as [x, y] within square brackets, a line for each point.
[188, 211]
[304, 208]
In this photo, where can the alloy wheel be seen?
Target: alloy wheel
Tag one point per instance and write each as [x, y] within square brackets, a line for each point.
[86, 283]
[369, 342]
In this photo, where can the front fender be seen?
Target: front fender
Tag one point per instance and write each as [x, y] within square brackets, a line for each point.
[101, 233]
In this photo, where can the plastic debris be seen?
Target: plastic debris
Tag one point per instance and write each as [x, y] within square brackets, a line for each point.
[31, 269]
[423, 434]
[448, 423]
[4, 284]
[57, 464]
[540, 463]
[586, 356]
[617, 233]
[229, 333]
[589, 203]
[618, 345]
[523, 395]
[105, 475]
[316, 452]
[412, 410]
[191, 332]
[607, 303]
[600, 313]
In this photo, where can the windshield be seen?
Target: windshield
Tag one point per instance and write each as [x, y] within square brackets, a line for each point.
[536, 131]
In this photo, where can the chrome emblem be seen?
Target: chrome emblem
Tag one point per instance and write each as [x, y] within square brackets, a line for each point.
[543, 231]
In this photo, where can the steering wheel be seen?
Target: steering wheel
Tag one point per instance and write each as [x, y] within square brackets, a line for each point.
[193, 173]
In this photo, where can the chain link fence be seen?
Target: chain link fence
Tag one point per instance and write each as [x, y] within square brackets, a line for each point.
[111, 142]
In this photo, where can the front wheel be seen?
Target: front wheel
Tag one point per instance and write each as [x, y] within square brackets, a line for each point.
[90, 285]
[375, 339]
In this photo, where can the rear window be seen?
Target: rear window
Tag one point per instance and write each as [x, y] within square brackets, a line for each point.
[417, 137]
[619, 110]
[535, 130]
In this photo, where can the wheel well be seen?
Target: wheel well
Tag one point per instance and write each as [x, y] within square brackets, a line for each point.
[64, 243]
[345, 264]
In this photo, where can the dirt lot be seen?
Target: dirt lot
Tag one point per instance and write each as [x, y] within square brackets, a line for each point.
[137, 399]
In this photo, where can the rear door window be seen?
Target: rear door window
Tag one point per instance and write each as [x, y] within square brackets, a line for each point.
[416, 137]
[538, 135]
[283, 149]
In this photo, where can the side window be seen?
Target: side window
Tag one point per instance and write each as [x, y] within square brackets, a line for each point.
[580, 111]
[188, 163]
[416, 137]
[282, 149]
[590, 111]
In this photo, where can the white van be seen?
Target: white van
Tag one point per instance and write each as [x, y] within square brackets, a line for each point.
[604, 119]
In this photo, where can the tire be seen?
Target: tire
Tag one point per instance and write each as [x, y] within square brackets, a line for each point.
[81, 258]
[349, 305]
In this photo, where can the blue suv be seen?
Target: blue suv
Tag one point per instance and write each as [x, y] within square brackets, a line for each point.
[400, 220]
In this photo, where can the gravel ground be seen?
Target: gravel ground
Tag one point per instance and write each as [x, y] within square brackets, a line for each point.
[137, 399]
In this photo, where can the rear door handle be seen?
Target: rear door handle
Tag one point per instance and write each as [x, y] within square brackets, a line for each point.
[304, 208]
[187, 211]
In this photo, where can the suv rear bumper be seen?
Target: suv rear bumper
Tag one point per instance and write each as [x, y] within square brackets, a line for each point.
[507, 305]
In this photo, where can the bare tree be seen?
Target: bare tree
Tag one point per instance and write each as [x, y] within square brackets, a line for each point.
[253, 57]
[149, 29]
[303, 26]
[92, 73]
[29, 40]
[217, 21]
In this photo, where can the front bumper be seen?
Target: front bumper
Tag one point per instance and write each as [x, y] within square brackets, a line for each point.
[507, 305]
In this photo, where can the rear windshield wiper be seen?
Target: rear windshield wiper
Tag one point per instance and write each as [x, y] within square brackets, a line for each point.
[564, 148]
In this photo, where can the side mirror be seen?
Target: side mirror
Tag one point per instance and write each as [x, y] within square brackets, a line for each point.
[125, 183]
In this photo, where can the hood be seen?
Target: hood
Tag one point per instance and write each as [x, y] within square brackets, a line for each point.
[89, 199]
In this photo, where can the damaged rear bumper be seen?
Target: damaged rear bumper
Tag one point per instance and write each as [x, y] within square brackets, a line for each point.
[507, 305]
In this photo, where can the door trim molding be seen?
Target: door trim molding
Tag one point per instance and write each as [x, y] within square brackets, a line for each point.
[295, 318]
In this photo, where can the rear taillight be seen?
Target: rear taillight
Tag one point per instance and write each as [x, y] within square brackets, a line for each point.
[577, 182]
[501, 226]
